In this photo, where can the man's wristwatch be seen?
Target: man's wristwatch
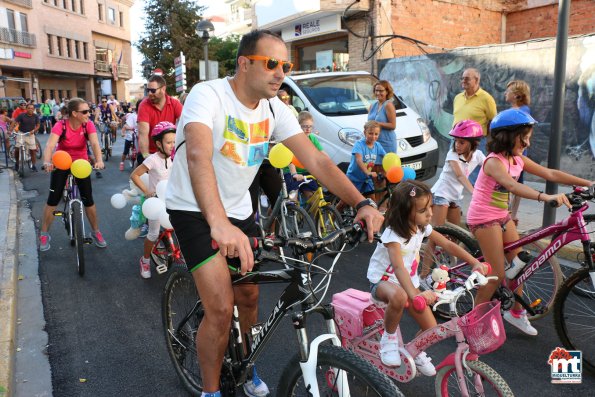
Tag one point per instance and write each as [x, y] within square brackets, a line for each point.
[365, 202]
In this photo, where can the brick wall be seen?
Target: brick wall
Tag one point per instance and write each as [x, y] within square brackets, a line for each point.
[443, 24]
[543, 21]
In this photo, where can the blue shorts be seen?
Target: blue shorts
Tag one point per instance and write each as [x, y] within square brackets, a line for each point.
[437, 200]
[292, 184]
[366, 186]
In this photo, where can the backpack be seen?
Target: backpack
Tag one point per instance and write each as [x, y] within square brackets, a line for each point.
[63, 134]
[354, 312]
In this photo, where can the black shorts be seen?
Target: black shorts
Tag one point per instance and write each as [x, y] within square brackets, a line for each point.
[57, 183]
[194, 236]
[127, 145]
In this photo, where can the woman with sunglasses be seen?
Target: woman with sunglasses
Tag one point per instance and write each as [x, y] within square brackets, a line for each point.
[71, 135]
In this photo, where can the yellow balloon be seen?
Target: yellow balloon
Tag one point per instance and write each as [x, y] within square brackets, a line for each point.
[391, 160]
[81, 168]
[280, 156]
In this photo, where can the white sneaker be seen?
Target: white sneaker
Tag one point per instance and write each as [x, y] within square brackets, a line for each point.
[521, 322]
[389, 350]
[426, 283]
[145, 268]
[256, 388]
[424, 364]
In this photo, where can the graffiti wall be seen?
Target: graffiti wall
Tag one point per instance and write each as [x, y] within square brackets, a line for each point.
[429, 84]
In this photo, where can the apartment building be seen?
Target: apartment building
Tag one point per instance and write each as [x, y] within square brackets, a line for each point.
[344, 34]
[51, 49]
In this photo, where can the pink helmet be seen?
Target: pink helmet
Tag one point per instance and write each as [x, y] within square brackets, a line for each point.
[161, 128]
[467, 129]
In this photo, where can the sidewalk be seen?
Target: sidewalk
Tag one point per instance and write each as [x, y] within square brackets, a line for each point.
[8, 279]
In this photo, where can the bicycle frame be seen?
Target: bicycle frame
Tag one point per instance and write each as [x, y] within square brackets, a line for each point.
[297, 292]
[564, 232]
[170, 249]
[72, 196]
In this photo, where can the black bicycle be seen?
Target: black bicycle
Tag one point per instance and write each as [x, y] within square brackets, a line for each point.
[73, 218]
[321, 368]
[106, 140]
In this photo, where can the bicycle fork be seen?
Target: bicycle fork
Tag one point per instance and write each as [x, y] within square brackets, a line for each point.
[309, 351]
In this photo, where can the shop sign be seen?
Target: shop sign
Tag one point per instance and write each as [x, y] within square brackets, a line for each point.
[6, 53]
[20, 54]
[313, 27]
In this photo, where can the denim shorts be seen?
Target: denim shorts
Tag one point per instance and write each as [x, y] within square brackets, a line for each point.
[500, 221]
[373, 288]
[437, 200]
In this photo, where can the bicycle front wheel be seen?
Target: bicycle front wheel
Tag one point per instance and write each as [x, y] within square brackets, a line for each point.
[481, 380]
[38, 148]
[328, 220]
[335, 365]
[106, 146]
[574, 316]
[79, 241]
[182, 313]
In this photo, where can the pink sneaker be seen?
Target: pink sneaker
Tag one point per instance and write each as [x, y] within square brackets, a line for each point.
[121, 166]
[145, 268]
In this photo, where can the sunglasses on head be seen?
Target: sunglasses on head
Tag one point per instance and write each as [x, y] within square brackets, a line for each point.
[272, 63]
[86, 111]
[153, 90]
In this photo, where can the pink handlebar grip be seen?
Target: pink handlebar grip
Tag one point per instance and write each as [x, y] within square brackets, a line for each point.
[419, 303]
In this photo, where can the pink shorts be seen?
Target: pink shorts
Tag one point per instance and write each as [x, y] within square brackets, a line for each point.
[500, 221]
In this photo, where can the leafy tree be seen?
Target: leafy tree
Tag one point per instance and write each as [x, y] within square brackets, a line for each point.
[170, 27]
[224, 51]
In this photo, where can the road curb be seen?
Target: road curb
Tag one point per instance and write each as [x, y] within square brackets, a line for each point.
[8, 294]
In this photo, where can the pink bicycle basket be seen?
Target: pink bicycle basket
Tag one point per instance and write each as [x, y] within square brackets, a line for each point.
[483, 328]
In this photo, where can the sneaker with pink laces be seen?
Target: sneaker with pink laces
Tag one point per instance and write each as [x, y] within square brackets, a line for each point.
[98, 239]
[145, 267]
[121, 166]
[44, 241]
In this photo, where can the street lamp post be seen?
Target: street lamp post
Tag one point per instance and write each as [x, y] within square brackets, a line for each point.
[203, 30]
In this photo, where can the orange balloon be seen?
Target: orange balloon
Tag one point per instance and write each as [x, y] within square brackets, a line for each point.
[297, 163]
[395, 174]
[62, 160]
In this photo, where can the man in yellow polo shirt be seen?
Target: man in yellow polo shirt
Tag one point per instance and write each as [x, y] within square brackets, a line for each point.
[474, 103]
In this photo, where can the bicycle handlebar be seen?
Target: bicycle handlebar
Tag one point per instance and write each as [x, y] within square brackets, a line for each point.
[303, 245]
[577, 197]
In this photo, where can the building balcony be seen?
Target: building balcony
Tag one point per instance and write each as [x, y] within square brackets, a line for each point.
[12, 36]
[103, 67]
[22, 3]
[123, 71]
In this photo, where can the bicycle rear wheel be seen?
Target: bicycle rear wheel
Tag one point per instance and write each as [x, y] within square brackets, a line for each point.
[295, 222]
[79, 240]
[182, 313]
[481, 380]
[334, 364]
[439, 256]
[574, 316]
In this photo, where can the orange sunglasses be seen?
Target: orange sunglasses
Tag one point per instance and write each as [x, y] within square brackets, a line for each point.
[272, 63]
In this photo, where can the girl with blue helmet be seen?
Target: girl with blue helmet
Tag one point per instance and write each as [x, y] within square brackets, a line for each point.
[488, 217]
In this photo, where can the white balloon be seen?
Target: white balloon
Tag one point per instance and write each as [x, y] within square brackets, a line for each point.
[145, 179]
[132, 234]
[118, 201]
[134, 190]
[152, 208]
[161, 188]
[164, 220]
[131, 197]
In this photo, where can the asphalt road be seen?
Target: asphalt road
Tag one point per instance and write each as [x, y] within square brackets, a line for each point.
[105, 328]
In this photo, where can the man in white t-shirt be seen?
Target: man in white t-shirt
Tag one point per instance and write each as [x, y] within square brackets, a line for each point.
[222, 138]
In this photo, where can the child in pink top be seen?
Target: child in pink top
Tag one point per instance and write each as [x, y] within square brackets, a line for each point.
[488, 217]
[158, 166]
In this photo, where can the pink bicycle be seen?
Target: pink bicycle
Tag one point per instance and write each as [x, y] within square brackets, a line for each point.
[461, 373]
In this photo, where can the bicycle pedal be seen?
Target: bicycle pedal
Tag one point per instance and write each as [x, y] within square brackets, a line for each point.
[161, 269]
[536, 303]
[58, 213]
[88, 240]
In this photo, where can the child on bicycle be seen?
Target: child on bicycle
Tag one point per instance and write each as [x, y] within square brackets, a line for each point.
[158, 166]
[294, 175]
[393, 267]
[128, 133]
[488, 217]
[448, 189]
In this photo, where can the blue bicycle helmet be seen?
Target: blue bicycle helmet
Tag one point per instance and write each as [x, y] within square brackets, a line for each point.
[510, 119]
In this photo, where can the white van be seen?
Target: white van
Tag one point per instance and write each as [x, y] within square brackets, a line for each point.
[339, 103]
